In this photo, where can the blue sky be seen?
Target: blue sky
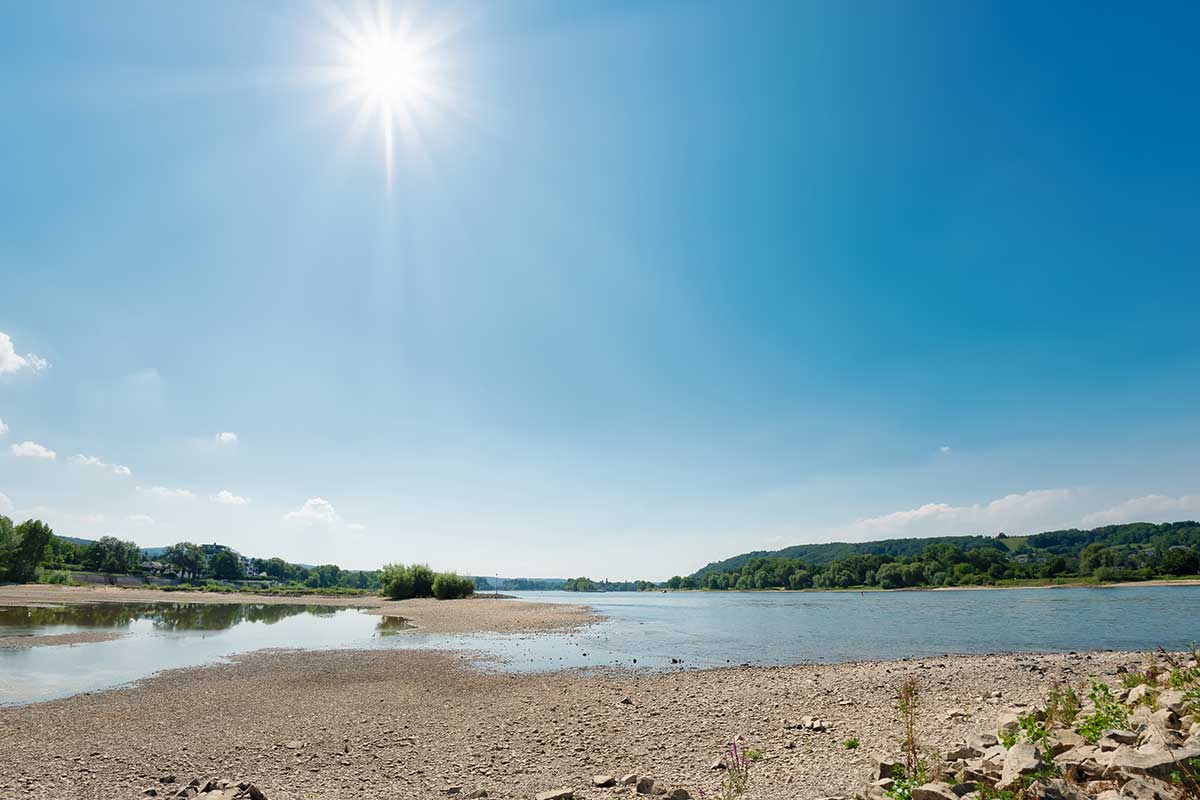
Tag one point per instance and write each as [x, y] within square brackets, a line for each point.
[637, 286]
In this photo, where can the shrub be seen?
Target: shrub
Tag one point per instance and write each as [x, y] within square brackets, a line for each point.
[402, 581]
[450, 586]
[851, 744]
[396, 582]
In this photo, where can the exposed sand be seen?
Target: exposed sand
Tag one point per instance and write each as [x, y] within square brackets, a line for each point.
[476, 614]
[399, 724]
[57, 639]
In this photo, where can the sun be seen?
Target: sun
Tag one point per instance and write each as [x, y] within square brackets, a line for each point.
[387, 65]
[389, 72]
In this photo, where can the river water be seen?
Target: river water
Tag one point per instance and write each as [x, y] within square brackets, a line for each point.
[646, 630]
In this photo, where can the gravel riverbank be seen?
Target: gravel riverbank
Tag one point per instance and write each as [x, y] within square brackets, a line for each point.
[376, 724]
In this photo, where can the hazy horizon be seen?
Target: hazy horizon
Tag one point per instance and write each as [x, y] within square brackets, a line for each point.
[612, 290]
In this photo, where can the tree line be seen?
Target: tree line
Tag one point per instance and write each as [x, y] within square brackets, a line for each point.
[1138, 551]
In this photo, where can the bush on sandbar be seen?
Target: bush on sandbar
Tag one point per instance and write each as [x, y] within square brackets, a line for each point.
[402, 581]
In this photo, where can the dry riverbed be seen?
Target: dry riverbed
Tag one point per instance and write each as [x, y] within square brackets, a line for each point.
[400, 724]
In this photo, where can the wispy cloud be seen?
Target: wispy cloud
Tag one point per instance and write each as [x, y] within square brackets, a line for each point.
[945, 449]
[3, 428]
[11, 361]
[92, 461]
[142, 519]
[316, 510]
[228, 498]
[32, 450]
[1148, 508]
[163, 491]
[1016, 511]
[226, 438]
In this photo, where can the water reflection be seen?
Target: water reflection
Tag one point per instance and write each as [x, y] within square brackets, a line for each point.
[392, 625]
[15, 620]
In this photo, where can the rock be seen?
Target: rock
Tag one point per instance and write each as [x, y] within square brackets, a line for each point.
[632, 778]
[452, 790]
[885, 767]
[1158, 764]
[962, 752]
[150, 792]
[626, 700]
[294, 744]
[1009, 724]
[995, 755]
[644, 785]
[555, 794]
[1143, 789]
[679, 794]
[166, 778]
[1058, 789]
[982, 741]
[957, 714]
[253, 792]
[1137, 694]
[1022, 759]
[1065, 740]
[478, 793]
[603, 781]
[1112, 739]
[934, 791]
[1172, 700]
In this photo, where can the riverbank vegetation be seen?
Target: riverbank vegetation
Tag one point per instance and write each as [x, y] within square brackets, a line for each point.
[405, 581]
[1139, 551]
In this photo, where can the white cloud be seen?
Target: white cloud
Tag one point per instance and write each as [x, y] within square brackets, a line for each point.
[6, 504]
[316, 510]
[1014, 511]
[356, 526]
[91, 519]
[3, 428]
[92, 461]
[946, 449]
[32, 450]
[163, 491]
[144, 519]
[1149, 508]
[226, 438]
[228, 498]
[10, 361]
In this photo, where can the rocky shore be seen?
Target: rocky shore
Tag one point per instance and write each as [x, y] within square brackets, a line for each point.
[375, 724]
[57, 639]
[1139, 740]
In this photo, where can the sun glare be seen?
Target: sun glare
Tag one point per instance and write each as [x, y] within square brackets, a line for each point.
[387, 67]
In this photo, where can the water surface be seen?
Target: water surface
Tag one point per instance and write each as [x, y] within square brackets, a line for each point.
[646, 630]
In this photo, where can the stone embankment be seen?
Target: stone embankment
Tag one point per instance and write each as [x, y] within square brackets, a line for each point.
[1139, 741]
[213, 789]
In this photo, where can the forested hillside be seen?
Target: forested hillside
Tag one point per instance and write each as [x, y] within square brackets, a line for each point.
[1137, 551]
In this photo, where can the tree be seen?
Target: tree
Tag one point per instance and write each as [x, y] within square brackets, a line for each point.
[22, 548]
[110, 554]
[1180, 562]
[186, 558]
[224, 565]
[450, 586]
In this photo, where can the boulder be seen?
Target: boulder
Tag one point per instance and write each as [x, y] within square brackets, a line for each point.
[885, 767]
[1147, 789]
[1058, 789]
[1137, 694]
[679, 794]
[629, 779]
[555, 794]
[1172, 700]
[645, 785]
[982, 741]
[934, 791]
[477, 794]
[1023, 758]
[1008, 724]
[962, 752]
[1112, 739]
[1065, 740]
[1158, 764]
[603, 781]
